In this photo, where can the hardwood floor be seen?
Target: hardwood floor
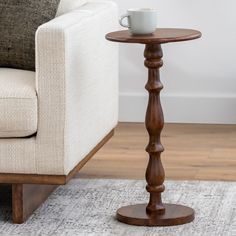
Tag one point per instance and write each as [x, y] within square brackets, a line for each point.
[192, 151]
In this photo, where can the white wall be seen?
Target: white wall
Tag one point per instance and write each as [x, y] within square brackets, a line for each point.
[199, 76]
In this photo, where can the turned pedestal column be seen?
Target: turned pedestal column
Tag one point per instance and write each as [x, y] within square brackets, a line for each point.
[155, 213]
[155, 174]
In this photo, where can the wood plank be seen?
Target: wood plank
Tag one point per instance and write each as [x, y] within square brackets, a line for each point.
[192, 152]
[26, 198]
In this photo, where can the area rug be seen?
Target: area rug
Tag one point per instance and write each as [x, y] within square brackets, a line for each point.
[87, 207]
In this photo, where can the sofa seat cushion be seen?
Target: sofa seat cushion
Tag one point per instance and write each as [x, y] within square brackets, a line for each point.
[18, 103]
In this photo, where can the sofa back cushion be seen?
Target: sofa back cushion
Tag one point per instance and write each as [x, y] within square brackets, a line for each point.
[19, 20]
[69, 5]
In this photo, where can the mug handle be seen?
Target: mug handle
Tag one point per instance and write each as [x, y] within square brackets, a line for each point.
[121, 20]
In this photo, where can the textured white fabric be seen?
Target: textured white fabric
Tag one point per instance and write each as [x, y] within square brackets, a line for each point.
[17, 155]
[18, 103]
[66, 6]
[77, 83]
[77, 86]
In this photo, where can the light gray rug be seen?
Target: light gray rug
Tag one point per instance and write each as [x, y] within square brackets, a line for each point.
[87, 207]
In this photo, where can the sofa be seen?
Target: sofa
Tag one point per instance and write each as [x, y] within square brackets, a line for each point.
[53, 120]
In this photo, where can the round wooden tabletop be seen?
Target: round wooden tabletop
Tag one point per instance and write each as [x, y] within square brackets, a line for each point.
[160, 36]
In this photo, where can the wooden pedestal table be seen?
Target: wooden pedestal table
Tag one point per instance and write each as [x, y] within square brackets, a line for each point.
[155, 213]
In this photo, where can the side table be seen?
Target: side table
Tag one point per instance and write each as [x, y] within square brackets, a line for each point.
[155, 213]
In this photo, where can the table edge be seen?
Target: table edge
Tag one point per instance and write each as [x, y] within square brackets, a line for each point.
[197, 35]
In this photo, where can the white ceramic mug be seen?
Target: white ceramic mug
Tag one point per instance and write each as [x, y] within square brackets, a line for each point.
[140, 21]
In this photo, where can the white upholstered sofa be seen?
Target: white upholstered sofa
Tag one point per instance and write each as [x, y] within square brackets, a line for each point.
[53, 120]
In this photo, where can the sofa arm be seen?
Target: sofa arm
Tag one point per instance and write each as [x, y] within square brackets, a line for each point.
[77, 85]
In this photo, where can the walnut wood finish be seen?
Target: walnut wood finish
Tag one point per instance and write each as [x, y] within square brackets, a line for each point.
[159, 37]
[26, 198]
[155, 213]
[137, 215]
[154, 121]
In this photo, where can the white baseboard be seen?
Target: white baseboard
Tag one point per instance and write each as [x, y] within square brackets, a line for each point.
[214, 109]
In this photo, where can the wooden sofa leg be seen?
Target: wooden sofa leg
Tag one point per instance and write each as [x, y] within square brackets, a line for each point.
[26, 198]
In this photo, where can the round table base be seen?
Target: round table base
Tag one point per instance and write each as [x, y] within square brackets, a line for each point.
[174, 215]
